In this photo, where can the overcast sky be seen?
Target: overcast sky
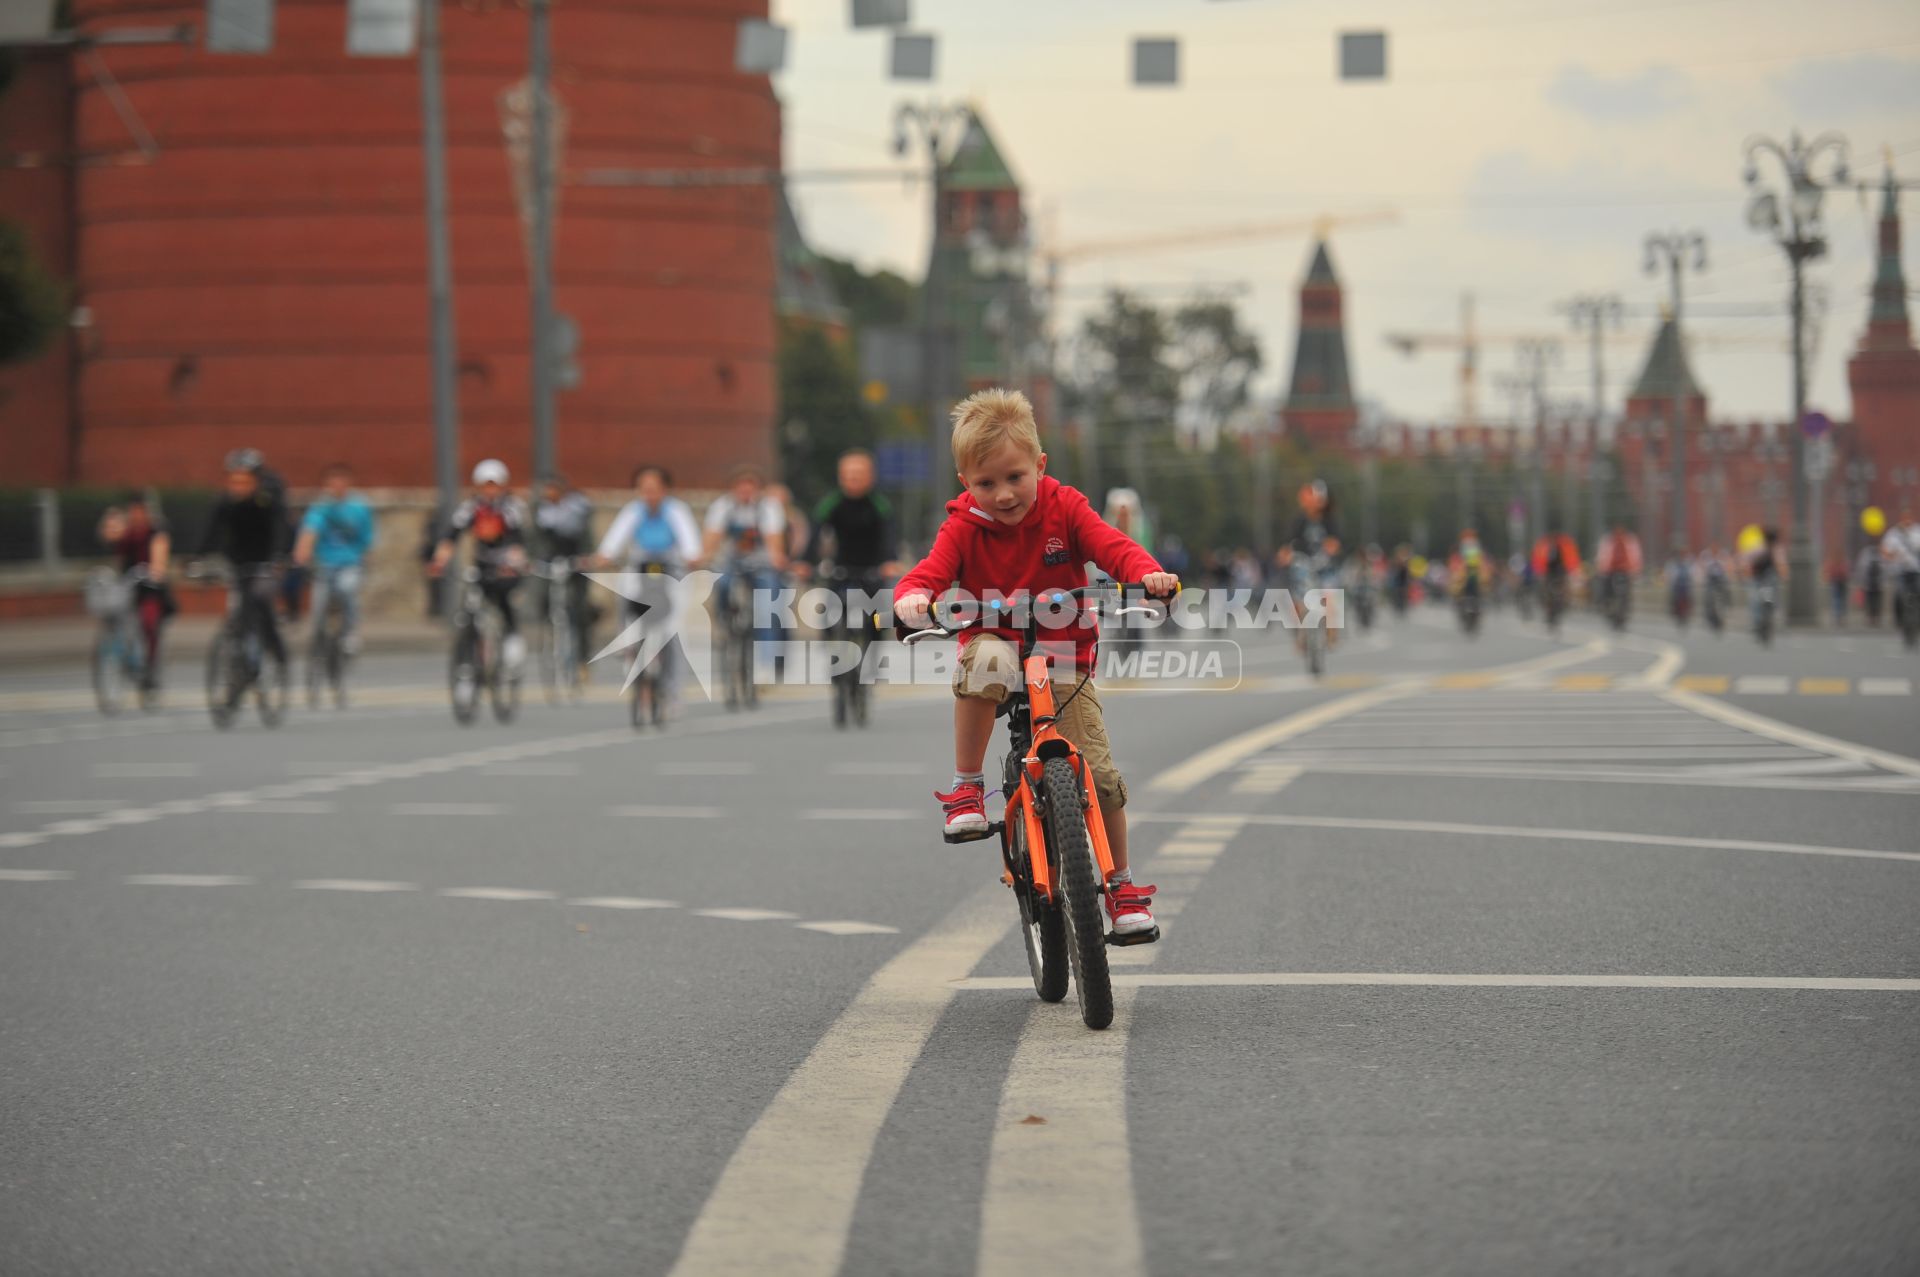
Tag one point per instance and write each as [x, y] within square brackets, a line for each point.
[1528, 146]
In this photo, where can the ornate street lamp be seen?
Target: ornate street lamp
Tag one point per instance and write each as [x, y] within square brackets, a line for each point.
[1792, 218]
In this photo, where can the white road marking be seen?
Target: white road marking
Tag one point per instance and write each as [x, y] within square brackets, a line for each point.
[1761, 685]
[1885, 687]
[34, 875]
[1588, 775]
[187, 880]
[849, 928]
[322, 768]
[68, 827]
[1747, 720]
[282, 807]
[145, 771]
[1553, 835]
[1255, 979]
[1266, 778]
[1806, 767]
[747, 915]
[784, 1203]
[706, 769]
[1075, 1082]
[858, 813]
[623, 902]
[496, 893]
[1210, 762]
[65, 806]
[28, 839]
[666, 813]
[532, 770]
[447, 809]
[354, 884]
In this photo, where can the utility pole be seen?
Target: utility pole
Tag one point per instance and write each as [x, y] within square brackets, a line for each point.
[433, 139]
[1674, 247]
[1799, 235]
[1536, 356]
[540, 251]
[934, 122]
[1595, 312]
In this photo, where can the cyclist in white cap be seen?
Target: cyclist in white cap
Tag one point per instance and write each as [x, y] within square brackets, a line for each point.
[498, 520]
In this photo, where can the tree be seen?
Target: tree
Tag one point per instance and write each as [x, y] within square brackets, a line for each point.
[822, 413]
[1216, 360]
[32, 302]
[877, 299]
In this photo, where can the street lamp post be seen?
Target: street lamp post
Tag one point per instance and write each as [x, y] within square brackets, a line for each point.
[1798, 233]
[1595, 313]
[1675, 247]
[934, 122]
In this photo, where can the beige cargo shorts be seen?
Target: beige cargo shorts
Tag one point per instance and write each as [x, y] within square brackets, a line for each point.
[989, 670]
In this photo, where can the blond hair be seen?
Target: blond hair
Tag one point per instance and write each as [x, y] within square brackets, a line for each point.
[987, 420]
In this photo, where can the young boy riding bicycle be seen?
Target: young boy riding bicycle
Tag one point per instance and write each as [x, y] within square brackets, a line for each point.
[1015, 532]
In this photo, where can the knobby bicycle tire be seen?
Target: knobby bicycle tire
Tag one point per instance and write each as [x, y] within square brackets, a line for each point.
[1079, 882]
[1043, 923]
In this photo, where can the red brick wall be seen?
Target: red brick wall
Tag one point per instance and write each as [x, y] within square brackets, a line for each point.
[264, 282]
[35, 137]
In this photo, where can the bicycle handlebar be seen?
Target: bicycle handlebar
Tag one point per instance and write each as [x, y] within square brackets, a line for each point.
[936, 629]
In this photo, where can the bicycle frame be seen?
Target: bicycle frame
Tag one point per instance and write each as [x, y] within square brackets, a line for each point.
[1036, 740]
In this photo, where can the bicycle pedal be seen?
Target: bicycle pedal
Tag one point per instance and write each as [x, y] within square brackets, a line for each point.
[973, 835]
[1119, 941]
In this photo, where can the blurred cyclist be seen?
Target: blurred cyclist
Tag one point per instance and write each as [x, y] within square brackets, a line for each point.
[138, 539]
[746, 534]
[497, 521]
[654, 532]
[249, 528]
[335, 536]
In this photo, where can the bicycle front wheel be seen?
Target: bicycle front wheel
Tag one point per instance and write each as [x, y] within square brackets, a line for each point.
[271, 689]
[224, 680]
[463, 677]
[1043, 923]
[1078, 880]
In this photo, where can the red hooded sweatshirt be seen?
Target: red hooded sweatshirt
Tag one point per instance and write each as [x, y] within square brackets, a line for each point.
[1048, 549]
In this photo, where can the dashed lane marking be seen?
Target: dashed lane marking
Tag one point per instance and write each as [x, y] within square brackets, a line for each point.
[187, 880]
[1886, 687]
[1824, 686]
[622, 902]
[65, 806]
[706, 769]
[34, 875]
[1761, 685]
[369, 885]
[282, 807]
[848, 928]
[1402, 979]
[1583, 682]
[747, 915]
[497, 893]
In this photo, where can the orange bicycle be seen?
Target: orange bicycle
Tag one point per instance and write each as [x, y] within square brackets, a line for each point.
[1053, 841]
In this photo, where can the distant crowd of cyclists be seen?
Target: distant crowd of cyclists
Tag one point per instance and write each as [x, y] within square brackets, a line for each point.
[755, 534]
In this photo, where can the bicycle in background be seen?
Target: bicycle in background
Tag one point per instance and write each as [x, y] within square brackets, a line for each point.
[241, 658]
[327, 654]
[479, 664]
[120, 651]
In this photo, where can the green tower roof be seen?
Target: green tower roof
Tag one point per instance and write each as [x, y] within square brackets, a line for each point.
[1666, 364]
[977, 164]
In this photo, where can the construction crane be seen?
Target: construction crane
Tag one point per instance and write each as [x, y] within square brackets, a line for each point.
[1469, 340]
[1057, 255]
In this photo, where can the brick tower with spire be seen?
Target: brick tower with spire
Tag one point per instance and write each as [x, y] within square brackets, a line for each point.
[1884, 373]
[1320, 408]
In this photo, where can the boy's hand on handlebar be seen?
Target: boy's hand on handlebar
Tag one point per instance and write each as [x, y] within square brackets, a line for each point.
[1161, 585]
[913, 608]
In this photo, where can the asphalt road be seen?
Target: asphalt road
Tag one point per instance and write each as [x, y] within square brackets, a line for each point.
[1511, 956]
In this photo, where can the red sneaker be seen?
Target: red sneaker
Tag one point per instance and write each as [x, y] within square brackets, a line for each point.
[1127, 909]
[965, 809]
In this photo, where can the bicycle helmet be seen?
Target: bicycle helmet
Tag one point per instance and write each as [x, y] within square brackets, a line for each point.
[245, 459]
[490, 471]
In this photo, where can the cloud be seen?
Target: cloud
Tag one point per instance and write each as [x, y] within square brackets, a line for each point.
[1871, 84]
[1644, 95]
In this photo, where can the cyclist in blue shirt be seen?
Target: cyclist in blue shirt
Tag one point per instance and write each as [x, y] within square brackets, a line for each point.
[334, 540]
